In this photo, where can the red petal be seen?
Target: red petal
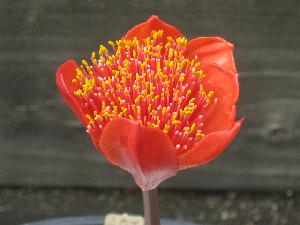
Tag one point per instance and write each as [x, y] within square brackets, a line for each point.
[208, 148]
[143, 30]
[146, 153]
[213, 50]
[220, 115]
[64, 75]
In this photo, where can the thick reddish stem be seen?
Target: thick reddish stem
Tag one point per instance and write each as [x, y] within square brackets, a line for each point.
[151, 208]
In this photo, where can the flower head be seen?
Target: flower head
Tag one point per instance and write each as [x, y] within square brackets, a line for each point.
[155, 102]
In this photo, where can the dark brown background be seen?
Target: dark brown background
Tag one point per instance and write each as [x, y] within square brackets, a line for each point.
[42, 144]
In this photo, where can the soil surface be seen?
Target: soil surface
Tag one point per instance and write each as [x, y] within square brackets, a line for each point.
[19, 205]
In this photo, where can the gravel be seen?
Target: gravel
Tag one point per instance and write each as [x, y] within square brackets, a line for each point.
[19, 205]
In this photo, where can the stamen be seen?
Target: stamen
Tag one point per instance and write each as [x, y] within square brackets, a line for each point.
[146, 81]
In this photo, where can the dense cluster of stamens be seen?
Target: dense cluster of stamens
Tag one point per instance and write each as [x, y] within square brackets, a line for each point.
[145, 81]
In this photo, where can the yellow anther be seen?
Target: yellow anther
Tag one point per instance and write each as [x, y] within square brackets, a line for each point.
[179, 66]
[103, 104]
[143, 65]
[197, 64]
[167, 92]
[154, 36]
[111, 43]
[79, 72]
[169, 38]
[108, 63]
[192, 100]
[156, 97]
[175, 53]
[171, 52]
[149, 107]
[126, 63]
[153, 125]
[118, 52]
[90, 119]
[167, 83]
[181, 77]
[131, 117]
[89, 85]
[193, 126]
[210, 94]
[188, 93]
[202, 92]
[184, 62]
[166, 128]
[180, 54]
[153, 112]
[164, 110]
[111, 115]
[199, 134]
[98, 116]
[102, 50]
[176, 122]
[174, 116]
[111, 58]
[84, 62]
[144, 92]
[93, 55]
[160, 33]
[159, 48]
[115, 109]
[138, 98]
[147, 41]
[158, 68]
[186, 129]
[78, 92]
[124, 110]
[199, 73]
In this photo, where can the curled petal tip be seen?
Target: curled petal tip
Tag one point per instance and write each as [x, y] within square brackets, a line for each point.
[212, 49]
[144, 29]
[226, 91]
[64, 75]
[153, 17]
[241, 121]
[209, 147]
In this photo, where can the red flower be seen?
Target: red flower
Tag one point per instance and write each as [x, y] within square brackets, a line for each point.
[158, 104]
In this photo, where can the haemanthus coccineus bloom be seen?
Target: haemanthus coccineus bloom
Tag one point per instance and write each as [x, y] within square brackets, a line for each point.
[158, 103]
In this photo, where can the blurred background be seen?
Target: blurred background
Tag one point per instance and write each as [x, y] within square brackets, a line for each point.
[48, 166]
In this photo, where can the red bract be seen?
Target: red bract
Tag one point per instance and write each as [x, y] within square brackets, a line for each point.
[158, 103]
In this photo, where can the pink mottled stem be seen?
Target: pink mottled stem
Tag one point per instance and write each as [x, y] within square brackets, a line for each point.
[151, 209]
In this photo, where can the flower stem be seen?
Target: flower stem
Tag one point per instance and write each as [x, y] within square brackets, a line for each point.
[151, 209]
